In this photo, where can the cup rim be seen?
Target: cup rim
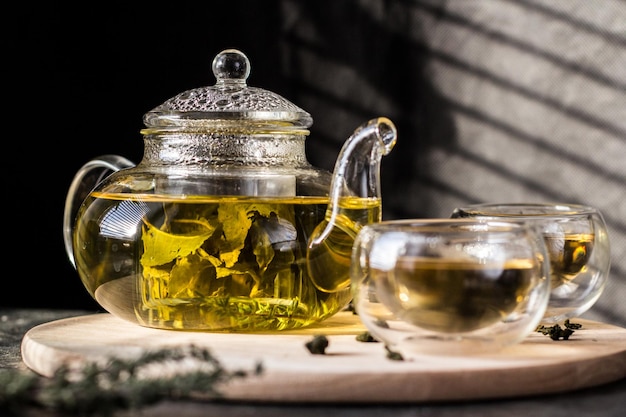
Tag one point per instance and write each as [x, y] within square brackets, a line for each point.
[524, 210]
[449, 225]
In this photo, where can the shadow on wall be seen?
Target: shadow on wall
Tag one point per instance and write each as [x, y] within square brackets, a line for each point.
[494, 101]
[347, 63]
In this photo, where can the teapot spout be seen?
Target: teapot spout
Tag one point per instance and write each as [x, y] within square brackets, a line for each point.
[355, 200]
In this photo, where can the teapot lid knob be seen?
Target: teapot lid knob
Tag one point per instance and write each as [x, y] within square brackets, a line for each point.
[231, 66]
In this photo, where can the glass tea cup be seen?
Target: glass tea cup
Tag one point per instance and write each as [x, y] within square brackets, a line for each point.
[578, 248]
[449, 286]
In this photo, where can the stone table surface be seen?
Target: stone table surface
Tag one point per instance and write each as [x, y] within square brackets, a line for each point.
[605, 400]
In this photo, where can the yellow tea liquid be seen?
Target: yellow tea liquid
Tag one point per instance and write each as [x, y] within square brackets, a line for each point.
[569, 255]
[209, 263]
[453, 296]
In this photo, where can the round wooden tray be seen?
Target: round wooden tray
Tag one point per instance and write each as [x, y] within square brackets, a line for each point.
[350, 370]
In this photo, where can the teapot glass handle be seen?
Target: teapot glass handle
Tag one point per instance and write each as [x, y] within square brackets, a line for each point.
[87, 177]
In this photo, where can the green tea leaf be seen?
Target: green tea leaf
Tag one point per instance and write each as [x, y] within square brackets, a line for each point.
[187, 278]
[236, 223]
[161, 247]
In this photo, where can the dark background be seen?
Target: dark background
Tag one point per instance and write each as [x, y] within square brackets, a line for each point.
[79, 79]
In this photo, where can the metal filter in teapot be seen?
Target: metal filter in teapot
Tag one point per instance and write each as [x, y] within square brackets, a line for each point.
[224, 225]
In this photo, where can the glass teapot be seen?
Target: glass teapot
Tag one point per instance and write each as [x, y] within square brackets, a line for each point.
[224, 225]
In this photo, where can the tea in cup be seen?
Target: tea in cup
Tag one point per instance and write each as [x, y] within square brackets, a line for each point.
[578, 246]
[448, 286]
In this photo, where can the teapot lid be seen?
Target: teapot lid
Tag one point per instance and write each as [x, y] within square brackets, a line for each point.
[229, 104]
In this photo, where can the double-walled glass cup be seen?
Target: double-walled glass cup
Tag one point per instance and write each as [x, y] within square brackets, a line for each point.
[578, 247]
[449, 286]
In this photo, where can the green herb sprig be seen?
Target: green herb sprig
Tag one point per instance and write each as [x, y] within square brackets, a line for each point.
[103, 389]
